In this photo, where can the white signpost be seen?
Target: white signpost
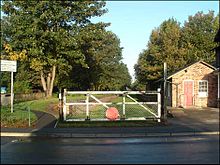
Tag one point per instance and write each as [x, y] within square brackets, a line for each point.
[9, 66]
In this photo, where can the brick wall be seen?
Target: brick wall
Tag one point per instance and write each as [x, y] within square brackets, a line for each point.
[195, 72]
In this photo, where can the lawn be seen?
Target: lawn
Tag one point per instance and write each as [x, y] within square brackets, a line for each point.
[38, 105]
[18, 119]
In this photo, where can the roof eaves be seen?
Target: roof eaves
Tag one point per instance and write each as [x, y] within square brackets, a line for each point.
[190, 66]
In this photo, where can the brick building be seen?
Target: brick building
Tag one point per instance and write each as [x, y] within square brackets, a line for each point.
[194, 85]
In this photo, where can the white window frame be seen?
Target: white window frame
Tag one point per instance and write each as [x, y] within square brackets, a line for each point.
[203, 94]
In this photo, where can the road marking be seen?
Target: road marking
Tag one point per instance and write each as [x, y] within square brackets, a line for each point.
[56, 124]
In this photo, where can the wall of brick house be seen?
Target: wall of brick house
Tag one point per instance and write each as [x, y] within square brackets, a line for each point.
[195, 72]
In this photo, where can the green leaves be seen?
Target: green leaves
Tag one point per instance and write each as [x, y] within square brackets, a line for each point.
[102, 53]
[59, 34]
[198, 35]
[162, 47]
[48, 28]
[177, 46]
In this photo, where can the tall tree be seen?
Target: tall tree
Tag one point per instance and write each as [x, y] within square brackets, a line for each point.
[103, 56]
[177, 46]
[198, 34]
[47, 30]
[163, 46]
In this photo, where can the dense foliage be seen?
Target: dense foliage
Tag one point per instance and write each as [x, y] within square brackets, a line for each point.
[63, 47]
[177, 46]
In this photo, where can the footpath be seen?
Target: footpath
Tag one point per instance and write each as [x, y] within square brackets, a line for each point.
[183, 122]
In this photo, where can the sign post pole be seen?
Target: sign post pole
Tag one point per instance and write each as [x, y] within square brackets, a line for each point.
[12, 94]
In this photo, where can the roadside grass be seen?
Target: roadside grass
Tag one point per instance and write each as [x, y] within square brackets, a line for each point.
[38, 105]
[137, 123]
[18, 119]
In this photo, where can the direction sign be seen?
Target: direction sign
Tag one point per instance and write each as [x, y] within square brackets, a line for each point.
[8, 66]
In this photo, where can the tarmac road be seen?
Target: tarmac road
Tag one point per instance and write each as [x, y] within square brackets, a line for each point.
[196, 149]
[192, 136]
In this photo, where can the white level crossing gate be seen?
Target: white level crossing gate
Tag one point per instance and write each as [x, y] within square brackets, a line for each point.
[92, 105]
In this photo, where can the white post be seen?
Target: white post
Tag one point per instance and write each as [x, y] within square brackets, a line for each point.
[64, 105]
[159, 104]
[12, 94]
[123, 104]
[87, 106]
[60, 105]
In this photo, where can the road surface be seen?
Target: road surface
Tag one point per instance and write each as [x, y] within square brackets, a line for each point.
[195, 149]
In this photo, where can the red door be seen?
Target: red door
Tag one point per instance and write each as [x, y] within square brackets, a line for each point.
[188, 93]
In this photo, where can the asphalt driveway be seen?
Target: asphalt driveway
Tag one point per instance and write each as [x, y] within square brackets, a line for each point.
[202, 119]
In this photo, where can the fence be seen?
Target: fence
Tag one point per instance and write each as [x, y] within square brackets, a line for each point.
[92, 105]
[6, 98]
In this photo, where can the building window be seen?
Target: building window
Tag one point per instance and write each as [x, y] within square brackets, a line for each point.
[203, 88]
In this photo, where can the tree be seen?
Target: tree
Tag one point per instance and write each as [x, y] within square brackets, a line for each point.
[197, 36]
[177, 46]
[163, 46]
[23, 78]
[47, 30]
[103, 56]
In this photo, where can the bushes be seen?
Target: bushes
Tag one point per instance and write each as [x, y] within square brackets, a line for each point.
[22, 87]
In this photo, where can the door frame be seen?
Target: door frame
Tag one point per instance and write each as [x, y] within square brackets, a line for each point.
[189, 80]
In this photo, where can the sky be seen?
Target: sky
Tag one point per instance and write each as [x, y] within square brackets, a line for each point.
[133, 21]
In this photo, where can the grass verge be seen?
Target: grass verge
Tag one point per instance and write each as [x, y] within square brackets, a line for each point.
[18, 119]
[38, 105]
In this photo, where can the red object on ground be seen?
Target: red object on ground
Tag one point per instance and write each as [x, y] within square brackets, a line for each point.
[112, 113]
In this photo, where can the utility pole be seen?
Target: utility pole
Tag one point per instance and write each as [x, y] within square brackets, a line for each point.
[165, 92]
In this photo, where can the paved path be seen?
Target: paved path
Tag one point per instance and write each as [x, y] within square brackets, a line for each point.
[198, 119]
[45, 120]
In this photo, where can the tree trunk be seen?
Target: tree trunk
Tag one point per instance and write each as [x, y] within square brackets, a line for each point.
[48, 83]
[52, 80]
[43, 83]
[48, 86]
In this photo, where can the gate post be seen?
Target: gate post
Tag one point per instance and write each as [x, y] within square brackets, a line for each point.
[87, 106]
[60, 105]
[159, 104]
[64, 105]
[123, 106]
